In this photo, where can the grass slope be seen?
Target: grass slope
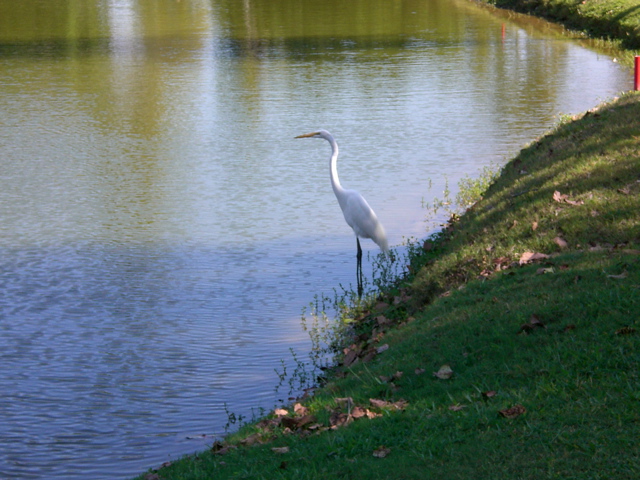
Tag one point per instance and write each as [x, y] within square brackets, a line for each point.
[542, 356]
[612, 19]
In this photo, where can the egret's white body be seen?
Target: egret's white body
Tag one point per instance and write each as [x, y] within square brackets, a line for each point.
[357, 212]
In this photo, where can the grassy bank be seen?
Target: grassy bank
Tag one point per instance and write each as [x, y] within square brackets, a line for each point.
[512, 352]
[611, 19]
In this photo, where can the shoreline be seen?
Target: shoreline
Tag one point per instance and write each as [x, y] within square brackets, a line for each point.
[606, 19]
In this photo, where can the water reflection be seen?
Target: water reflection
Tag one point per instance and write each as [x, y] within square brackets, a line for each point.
[161, 229]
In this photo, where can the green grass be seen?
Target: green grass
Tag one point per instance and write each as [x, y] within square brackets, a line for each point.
[612, 19]
[559, 337]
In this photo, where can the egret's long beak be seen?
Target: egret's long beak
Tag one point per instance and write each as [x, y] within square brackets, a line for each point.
[307, 135]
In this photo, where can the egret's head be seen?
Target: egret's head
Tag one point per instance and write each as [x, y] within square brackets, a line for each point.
[319, 134]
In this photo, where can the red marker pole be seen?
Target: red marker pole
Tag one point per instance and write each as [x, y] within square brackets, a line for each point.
[637, 75]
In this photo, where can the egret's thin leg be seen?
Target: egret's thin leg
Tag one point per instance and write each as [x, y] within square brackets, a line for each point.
[359, 268]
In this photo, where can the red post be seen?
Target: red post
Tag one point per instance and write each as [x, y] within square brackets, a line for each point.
[637, 75]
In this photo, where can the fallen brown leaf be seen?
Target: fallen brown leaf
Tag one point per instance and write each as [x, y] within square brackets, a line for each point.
[399, 405]
[513, 412]
[618, 277]
[300, 409]
[381, 452]
[501, 260]
[369, 355]
[626, 331]
[339, 419]
[420, 371]
[289, 422]
[280, 412]
[558, 197]
[280, 450]
[489, 394]
[359, 412]
[225, 450]
[528, 257]
[457, 407]
[544, 270]
[562, 198]
[561, 242]
[444, 373]
[536, 322]
[350, 358]
[251, 440]
[305, 420]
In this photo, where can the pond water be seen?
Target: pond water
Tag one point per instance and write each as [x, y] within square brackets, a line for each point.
[161, 230]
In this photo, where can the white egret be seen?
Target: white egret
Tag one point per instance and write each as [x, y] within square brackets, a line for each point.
[357, 212]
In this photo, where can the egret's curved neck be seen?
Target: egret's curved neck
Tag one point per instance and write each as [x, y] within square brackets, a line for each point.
[335, 181]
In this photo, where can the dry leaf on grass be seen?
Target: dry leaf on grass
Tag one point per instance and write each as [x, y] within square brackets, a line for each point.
[295, 423]
[534, 322]
[528, 257]
[359, 412]
[489, 394]
[252, 440]
[626, 331]
[457, 407]
[444, 373]
[381, 452]
[225, 450]
[280, 450]
[563, 198]
[339, 419]
[351, 356]
[513, 412]
[618, 277]
[545, 270]
[398, 405]
[561, 242]
[300, 409]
